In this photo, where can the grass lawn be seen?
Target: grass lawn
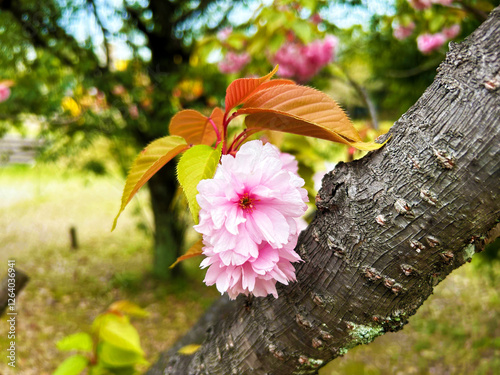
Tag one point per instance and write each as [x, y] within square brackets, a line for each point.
[455, 332]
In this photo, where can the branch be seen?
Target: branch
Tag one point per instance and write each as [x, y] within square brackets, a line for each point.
[478, 13]
[104, 31]
[224, 20]
[389, 228]
[426, 66]
[136, 17]
[365, 97]
[54, 31]
[202, 6]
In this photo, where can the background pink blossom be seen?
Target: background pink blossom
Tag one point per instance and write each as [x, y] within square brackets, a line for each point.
[233, 62]
[443, 2]
[402, 32]
[4, 92]
[224, 33]
[420, 4]
[304, 61]
[424, 4]
[451, 32]
[427, 43]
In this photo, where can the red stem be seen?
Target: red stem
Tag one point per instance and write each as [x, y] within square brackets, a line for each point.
[240, 138]
[216, 131]
[225, 123]
[224, 134]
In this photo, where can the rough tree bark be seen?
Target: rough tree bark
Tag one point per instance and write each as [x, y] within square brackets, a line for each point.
[389, 227]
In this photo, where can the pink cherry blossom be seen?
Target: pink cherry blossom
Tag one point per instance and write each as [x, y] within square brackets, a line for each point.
[4, 92]
[257, 275]
[443, 2]
[424, 4]
[305, 61]
[316, 19]
[289, 162]
[319, 52]
[248, 219]
[287, 57]
[420, 4]
[119, 90]
[233, 62]
[451, 32]
[427, 43]
[133, 111]
[224, 33]
[401, 32]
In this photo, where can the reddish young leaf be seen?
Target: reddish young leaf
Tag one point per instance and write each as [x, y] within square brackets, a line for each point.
[285, 122]
[301, 110]
[274, 82]
[242, 88]
[194, 127]
[193, 251]
[148, 162]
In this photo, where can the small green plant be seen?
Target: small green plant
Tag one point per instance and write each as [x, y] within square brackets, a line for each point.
[113, 347]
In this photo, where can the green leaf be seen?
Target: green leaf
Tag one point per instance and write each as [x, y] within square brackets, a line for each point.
[276, 41]
[197, 163]
[148, 162]
[236, 41]
[276, 22]
[118, 331]
[303, 30]
[79, 341]
[72, 366]
[113, 356]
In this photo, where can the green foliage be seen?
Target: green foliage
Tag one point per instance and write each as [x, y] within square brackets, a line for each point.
[72, 366]
[112, 356]
[79, 341]
[113, 348]
[197, 163]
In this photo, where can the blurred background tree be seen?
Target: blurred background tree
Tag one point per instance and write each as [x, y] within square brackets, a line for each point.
[70, 70]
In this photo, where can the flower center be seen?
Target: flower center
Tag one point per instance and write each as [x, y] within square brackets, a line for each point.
[246, 203]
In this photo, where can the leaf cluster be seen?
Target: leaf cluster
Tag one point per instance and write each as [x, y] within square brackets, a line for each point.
[276, 105]
[112, 348]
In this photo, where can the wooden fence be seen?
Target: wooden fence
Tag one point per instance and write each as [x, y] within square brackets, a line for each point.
[16, 150]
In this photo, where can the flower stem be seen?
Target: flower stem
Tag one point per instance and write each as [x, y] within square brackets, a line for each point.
[225, 123]
[219, 139]
[240, 138]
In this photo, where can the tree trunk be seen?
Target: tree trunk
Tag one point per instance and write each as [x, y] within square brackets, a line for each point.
[169, 226]
[389, 227]
[21, 279]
